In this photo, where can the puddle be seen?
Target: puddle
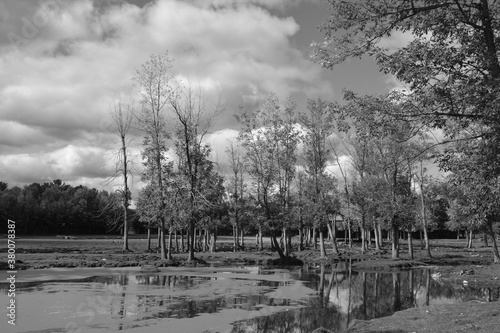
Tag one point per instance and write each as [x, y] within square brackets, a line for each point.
[232, 300]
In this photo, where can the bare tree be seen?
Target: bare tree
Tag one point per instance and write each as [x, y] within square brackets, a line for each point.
[122, 118]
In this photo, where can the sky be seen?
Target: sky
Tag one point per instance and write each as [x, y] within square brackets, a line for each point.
[63, 63]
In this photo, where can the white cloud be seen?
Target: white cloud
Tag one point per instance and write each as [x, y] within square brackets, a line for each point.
[56, 85]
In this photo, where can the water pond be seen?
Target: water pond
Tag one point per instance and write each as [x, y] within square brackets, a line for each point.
[221, 299]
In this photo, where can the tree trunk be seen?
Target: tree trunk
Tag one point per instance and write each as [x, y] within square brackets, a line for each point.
[380, 239]
[236, 232]
[169, 246]
[163, 245]
[176, 242]
[314, 238]
[321, 245]
[301, 238]
[427, 243]
[284, 239]
[191, 241]
[261, 245]
[213, 243]
[242, 239]
[125, 222]
[469, 241]
[377, 236]
[349, 229]
[496, 254]
[277, 247]
[333, 235]
[159, 236]
[149, 240]
[363, 240]
[410, 244]
[369, 236]
[183, 248]
[206, 240]
[289, 242]
[395, 242]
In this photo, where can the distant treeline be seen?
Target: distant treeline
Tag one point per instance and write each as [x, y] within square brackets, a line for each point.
[58, 208]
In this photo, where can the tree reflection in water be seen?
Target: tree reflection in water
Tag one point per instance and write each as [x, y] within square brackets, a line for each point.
[294, 300]
[345, 294]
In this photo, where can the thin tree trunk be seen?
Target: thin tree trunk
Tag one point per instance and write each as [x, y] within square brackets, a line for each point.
[496, 254]
[149, 240]
[314, 239]
[191, 241]
[213, 247]
[159, 236]
[395, 242]
[301, 237]
[289, 242]
[169, 246]
[381, 238]
[183, 248]
[410, 244]
[261, 245]
[274, 241]
[321, 245]
[349, 228]
[469, 241]
[242, 239]
[163, 245]
[363, 240]
[377, 236]
[284, 239]
[205, 240]
[333, 235]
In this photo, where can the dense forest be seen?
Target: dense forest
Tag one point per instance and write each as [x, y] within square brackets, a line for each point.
[58, 208]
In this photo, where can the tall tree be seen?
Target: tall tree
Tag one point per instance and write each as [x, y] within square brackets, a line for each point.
[450, 63]
[382, 149]
[319, 127]
[270, 139]
[122, 118]
[195, 114]
[236, 184]
[480, 194]
[153, 80]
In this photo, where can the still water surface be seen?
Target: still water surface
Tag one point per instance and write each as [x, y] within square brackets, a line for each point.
[232, 300]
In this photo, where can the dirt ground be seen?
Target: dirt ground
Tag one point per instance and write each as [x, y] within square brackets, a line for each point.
[449, 258]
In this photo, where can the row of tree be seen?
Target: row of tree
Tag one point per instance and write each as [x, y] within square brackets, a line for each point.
[279, 177]
[49, 208]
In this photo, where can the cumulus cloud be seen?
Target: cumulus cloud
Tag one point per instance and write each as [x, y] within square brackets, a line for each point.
[61, 62]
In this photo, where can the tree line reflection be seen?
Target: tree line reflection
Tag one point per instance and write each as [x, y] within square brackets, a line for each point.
[327, 295]
[345, 295]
